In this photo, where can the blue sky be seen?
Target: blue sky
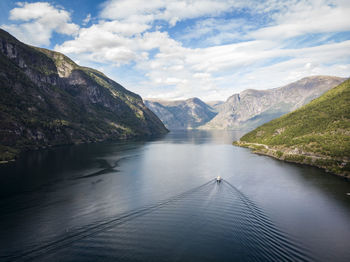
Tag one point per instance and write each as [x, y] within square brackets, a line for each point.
[210, 49]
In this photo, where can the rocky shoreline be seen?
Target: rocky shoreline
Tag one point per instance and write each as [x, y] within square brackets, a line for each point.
[335, 166]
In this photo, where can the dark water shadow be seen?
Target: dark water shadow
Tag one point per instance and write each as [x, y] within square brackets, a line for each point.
[245, 231]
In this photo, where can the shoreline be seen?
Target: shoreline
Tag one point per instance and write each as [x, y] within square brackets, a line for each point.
[330, 165]
[14, 153]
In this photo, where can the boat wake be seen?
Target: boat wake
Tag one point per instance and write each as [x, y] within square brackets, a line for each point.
[213, 221]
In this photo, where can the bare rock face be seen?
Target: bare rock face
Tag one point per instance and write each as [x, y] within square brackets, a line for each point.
[244, 111]
[182, 114]
[252, 108]
[46, 99]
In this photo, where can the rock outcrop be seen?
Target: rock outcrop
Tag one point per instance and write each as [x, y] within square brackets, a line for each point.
[46, 99]
[252, 108]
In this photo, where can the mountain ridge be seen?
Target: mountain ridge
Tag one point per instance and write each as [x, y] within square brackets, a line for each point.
[251, 108]
[243, 111]
[182, 114]
[316, 134]
[47, 100]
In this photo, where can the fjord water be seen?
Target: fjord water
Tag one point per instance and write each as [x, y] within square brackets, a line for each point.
[157, 201]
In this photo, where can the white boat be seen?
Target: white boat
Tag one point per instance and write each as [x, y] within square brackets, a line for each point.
[218, 179]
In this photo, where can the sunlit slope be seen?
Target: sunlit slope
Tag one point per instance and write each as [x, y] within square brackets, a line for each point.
[317, 133]
[47, 100]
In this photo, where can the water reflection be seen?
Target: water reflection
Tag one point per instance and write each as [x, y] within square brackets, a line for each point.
[203, 136]
[51, 194]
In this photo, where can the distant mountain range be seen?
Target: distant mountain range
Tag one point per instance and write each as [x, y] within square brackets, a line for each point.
[183, 114]
[316, 134]
[244, 111]
[46, 99]
[252, 108]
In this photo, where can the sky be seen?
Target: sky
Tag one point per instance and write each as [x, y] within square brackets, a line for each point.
[177, 49]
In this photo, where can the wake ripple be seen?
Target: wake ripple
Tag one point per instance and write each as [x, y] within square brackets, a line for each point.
[211, 222]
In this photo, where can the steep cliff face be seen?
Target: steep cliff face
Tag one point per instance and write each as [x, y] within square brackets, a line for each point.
[46, 99]
[251, 108]
[182, 114]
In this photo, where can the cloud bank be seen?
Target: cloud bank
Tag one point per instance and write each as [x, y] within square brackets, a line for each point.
[209, 49]
[36, 22]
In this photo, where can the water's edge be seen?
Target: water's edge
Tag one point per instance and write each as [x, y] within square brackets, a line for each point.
[308, 160]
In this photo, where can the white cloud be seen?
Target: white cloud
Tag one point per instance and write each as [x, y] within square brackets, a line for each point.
[216, 31]
[87, 19]
[168, 10]
[37, 21]
[217, 72]
[236, 53]
[306, 17]
[117, 42]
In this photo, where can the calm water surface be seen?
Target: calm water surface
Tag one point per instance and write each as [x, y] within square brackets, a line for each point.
[157, 201]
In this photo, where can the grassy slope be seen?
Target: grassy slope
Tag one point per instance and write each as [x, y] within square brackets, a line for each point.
[317, 133]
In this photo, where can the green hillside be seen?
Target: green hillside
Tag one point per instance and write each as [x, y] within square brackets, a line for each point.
[317, 134]
[47, 100]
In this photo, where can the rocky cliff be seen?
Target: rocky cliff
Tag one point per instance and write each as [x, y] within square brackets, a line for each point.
[252, 108]
[182, 114]
[46, 99]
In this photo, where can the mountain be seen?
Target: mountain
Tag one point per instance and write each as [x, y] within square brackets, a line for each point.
[182, 114]
[251, 108]
[244, 111]
[316, 134]
[46, 99]
[215, 104]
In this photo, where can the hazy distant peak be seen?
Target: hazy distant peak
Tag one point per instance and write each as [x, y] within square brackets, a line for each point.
[244, 110]
[194, 100]
[182, 114]
[251, 108]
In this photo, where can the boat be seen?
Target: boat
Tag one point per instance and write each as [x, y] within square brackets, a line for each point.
[218, 179]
